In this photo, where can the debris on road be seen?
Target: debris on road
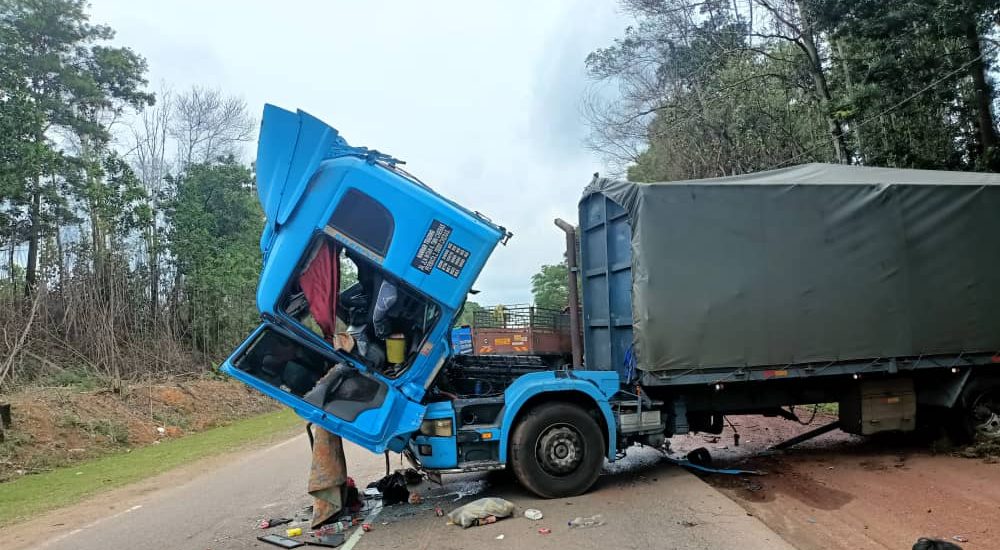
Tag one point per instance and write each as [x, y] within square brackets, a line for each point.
[499, 537]
[438, 511]
[328, 541]
[544, 531]
[412, 476]
[595, 520]
[392, 487]
[281, 541]
[482, 509]
[935, 544]
[960, 538]
[273, 522]
[334, 528]
[293, 532]
[486, 520]
[533, 514]
[415, 498]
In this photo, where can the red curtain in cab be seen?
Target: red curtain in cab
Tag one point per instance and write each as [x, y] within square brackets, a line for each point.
[320, 282]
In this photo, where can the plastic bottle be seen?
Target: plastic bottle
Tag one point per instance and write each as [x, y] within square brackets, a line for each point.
[333, 528]
[592, 521]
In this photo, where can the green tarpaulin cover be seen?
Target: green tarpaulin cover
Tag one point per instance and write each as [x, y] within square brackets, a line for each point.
[812, 263]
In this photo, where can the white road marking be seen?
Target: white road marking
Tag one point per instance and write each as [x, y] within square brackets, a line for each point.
[88, 526]
[356, 536]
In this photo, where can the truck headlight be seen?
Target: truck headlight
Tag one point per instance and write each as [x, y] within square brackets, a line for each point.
[440, 427]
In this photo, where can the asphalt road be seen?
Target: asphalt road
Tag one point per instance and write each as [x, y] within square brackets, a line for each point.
[216, 504]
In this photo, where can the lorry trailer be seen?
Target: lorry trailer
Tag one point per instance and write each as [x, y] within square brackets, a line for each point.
[872, 288]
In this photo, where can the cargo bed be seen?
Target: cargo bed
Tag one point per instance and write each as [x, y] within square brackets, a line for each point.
[803, 272]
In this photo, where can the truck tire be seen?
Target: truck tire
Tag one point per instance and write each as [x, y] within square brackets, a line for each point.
[977, 413]
[557, 450]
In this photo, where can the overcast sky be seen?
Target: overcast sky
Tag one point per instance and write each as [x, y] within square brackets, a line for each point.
[481, 99]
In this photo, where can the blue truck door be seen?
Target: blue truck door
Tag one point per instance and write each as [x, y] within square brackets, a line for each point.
[349, 400]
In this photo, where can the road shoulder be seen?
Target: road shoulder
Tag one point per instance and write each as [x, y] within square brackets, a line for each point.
[105, 504]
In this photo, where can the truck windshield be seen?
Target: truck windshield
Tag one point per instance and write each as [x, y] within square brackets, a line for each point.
[359, 308]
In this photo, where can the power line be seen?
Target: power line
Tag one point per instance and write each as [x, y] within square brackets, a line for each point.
[883, 113]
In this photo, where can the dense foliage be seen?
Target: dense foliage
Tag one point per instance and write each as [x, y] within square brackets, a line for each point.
[128, 225]
[719, 87]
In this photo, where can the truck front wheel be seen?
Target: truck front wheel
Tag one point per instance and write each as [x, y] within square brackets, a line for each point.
[557, 450]
[978, 412]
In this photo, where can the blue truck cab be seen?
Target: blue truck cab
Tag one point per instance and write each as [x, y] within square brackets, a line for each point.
[366, 361]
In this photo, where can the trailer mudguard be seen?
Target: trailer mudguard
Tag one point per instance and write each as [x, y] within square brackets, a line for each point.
[599, 386]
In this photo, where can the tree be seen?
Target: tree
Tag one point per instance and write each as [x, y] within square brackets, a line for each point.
[468, 313]
[208, 125]
[930, 104]
[215, 224]
[711, 88]
[550, 286]
[70, 79]
[151, 163]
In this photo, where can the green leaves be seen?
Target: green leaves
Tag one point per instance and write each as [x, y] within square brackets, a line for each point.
[719, 88]
[216, 222]
[550, 286]
[63, 83]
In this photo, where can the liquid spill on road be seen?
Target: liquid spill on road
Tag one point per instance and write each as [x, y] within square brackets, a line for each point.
[638, 458]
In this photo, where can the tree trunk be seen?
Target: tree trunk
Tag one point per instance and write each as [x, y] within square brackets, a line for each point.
[34, 236]
[10, 260]
[152, 247]
[856, 130]
[833, 124]
[97, 244]
[983, 96]
[60, 250]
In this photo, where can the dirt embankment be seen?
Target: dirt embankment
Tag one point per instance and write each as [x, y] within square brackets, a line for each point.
[54, 427]
[845, 492]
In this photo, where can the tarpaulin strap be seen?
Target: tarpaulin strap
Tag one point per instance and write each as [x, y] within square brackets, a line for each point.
[629, 364]
[710, 470]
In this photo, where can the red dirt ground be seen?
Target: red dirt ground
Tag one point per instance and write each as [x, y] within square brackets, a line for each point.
[845, 492]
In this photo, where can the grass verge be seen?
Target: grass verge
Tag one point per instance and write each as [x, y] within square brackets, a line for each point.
[29, 495]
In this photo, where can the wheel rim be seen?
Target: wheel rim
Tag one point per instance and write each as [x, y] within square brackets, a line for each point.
[985, 414]
[559, 449]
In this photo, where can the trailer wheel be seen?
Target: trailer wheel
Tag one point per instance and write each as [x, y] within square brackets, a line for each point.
[978, 412]
[557, 450]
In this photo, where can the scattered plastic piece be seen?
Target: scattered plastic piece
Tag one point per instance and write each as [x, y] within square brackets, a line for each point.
[960, 538]
[483, 508]
[544, 531]
[438, 512]
[366, 527]
[273, 522]
[499, 537]
[595, 520]
[415, 498]
[329, 529]
[293, 532]
[533, 514]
